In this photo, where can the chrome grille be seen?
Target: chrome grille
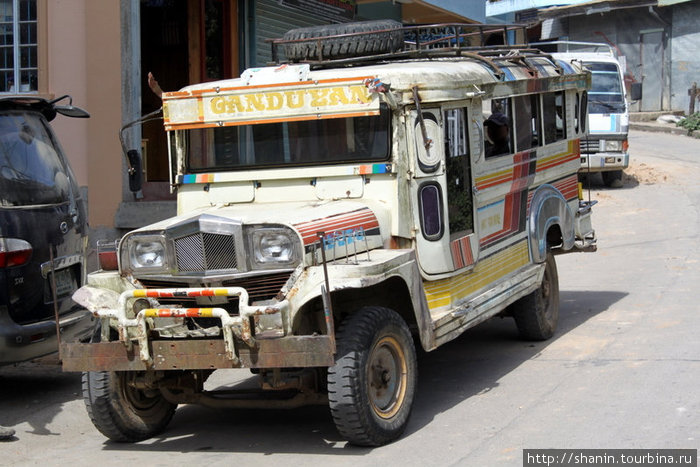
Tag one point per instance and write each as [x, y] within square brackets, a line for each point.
[590, 146]
[205, 252]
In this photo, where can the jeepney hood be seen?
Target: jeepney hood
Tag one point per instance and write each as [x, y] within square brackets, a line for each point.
[349, 227]
[299, 215]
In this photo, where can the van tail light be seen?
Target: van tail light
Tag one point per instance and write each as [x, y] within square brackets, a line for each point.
[107, 254]
[625, 145]
[14, 252]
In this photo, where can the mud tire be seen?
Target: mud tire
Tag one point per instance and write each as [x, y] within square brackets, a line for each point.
[373, 382]
[121, 412]
[537, 314]
[390, 40]
[613, 178]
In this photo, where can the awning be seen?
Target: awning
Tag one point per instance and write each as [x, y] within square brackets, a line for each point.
[422, 12]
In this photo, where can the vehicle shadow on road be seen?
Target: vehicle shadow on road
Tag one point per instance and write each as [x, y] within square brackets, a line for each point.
[35, 392]
[462, 369]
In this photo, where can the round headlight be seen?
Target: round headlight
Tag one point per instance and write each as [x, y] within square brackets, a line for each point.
[148, 254]
[274, 247]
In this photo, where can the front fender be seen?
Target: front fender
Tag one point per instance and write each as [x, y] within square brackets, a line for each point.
[548, 208]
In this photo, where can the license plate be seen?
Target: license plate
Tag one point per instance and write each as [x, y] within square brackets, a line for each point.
[65, 283]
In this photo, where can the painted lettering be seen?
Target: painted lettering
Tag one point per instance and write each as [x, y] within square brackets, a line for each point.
[318, 97]
[274, 100]
[255, 102]
[294, 99]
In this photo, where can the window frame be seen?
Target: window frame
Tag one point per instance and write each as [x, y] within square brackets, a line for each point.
[17, 45]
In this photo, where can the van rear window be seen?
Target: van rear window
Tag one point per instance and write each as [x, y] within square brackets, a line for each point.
[31, 168]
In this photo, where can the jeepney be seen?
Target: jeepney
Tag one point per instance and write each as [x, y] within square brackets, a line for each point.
[332, 207]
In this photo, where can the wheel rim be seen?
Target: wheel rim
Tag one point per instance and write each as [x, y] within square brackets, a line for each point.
[138, 399]
[387, 376]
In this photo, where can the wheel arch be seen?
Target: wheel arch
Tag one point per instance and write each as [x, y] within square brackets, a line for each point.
[550, 223]
[403, 295]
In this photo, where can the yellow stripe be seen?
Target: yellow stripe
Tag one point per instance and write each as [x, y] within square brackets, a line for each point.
[140, 293]
[445, 292]
[221, 292]
[206, 312]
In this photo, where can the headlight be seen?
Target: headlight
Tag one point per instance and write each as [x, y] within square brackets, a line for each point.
[144, 253]
[613, 146]
[273, 247]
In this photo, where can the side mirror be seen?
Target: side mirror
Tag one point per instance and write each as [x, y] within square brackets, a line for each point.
[71, 111]
[636, 91]
[135, 179]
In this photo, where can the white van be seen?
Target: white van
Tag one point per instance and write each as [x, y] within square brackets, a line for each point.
[605, 149]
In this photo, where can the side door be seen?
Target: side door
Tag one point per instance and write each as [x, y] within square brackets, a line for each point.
[442, 190]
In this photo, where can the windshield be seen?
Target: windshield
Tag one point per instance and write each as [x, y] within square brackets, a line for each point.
[606, 94]
[308, 142]
[31, 170]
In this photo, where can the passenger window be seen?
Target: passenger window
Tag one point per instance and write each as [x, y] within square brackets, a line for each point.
[526, 121]
[576, 106]
[459, 195]
[553, 117]
[498, 134]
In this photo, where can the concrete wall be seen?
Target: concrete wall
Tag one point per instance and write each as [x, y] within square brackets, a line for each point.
[685, 50]
[83, 59]
[621, 29]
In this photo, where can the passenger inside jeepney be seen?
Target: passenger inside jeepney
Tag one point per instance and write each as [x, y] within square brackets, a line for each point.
[497, 135]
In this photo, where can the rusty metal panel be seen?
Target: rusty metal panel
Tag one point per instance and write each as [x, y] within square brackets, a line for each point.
[289, 352]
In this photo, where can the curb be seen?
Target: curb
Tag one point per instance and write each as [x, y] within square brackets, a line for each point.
[663, 128]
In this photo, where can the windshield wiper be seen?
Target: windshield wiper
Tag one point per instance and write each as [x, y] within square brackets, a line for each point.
[607, 104]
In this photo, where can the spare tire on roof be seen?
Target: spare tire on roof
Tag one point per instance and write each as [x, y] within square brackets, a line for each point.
[384, 36]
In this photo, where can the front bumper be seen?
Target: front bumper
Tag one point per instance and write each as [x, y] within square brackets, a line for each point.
[138, 349]
[604, 161]
[19, 342]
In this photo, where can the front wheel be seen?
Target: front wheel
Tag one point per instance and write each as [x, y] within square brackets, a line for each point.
[613, 178]
[537, 314]
[121, 410]
[372, 384]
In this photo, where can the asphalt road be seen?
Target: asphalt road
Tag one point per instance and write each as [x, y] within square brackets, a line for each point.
[623, 370]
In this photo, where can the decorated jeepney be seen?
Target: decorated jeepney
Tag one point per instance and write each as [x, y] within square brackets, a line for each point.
[368, 190]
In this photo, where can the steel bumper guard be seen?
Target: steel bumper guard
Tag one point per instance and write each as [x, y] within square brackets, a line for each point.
[136, 329]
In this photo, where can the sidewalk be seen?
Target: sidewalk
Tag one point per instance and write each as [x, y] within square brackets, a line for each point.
[646, 121]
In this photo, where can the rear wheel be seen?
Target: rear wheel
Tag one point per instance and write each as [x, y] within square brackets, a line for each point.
[372, 384]
[537, 314]
[122, 411]
[613, 178]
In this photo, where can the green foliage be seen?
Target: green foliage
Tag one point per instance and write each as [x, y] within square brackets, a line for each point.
[691, 123]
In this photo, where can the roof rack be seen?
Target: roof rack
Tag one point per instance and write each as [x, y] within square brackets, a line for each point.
[430, 41]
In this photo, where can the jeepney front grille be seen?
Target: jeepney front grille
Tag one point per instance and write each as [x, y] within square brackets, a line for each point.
[259, 288]
[589, 146]
[204, 251]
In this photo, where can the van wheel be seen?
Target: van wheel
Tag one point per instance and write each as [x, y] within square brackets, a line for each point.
[121, 411]
[388, 41]
[613, 178]
[372, 384]
[537, 314]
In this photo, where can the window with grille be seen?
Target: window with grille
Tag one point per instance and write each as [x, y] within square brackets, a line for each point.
[18, 46]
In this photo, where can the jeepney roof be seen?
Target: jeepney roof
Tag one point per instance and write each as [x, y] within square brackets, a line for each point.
[402, 74]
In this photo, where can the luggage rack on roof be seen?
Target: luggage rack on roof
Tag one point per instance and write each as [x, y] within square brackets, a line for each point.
[424, 41]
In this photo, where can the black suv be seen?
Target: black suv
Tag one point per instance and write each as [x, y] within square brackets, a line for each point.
[42, 217]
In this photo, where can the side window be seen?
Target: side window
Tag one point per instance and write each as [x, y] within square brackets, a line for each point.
[459, 195]
[583, 113]
[553, 117]
[576, 107]
[498, 129]
[526, 121]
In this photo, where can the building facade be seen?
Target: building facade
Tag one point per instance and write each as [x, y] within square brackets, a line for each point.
[100, 52]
